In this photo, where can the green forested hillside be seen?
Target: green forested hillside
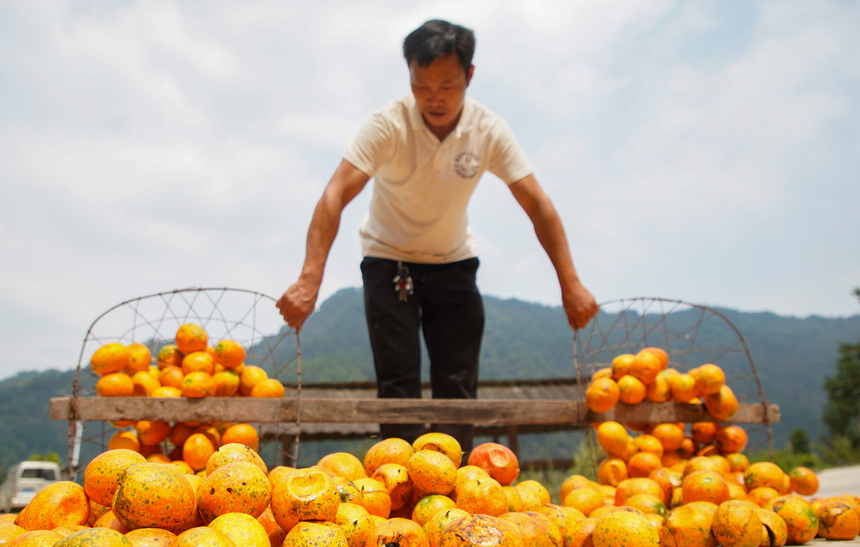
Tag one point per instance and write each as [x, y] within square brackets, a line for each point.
[523, 340]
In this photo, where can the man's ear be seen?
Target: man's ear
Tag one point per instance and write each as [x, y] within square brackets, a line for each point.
[469, 75]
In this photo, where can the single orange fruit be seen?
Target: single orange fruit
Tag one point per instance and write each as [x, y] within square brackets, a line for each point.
[633, 486]
[305, 494]
[704, 433]
[737, 462]
[513, 497]
[432, 472]
[109, 358]
[531, 531]
[602, 394]
[690, 525]
[799, 517]
[659, 391]
[775, 528]
[646, 366]
[670, 435]
[683, 387]
[190, 338]
[631, 390]
[198, 384]
[115, 384]
[621, 365]
[429, 506]
[764, 474]
[60, 503]
[396, 480]
[196, 450]
[837, 520]
[144, 383]
[580, 534]
[731, 438]
[235, 487]
[226, 383]
[705, 485]
[649, 504]
[374, 497]
[251, 375]
[355, 523]
[624, 529]
[242, 433]
[269, 388]
[151, 432]
[642, 464]
[661, 355]
[169, 356]
[605, 372]
[243, 529]
[234, 452]
[124, 439]
[737, 523]
[152, 495]
[481, 496]
[171, 376]
[343, 464]
[573, 482]
[585, 500]
[499, 461]
[723, 404]
[762, 495]
[229, 354]
[198, 361]
[709, 379]
[804, 481]
[613, 438]
[139, 359]
[611, 471]
[440, 442]
[392, 450]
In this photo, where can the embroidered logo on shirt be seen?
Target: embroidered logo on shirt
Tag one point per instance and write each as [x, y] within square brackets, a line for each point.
[467, 164]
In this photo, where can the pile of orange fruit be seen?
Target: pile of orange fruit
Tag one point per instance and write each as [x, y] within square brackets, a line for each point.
[189, 367]
[647, 376]
[425, 494]
[186, 444]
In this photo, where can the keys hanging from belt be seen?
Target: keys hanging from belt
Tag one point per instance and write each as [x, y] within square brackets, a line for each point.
[403, 282]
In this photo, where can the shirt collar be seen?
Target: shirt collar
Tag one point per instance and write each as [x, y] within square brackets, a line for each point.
[464, 125]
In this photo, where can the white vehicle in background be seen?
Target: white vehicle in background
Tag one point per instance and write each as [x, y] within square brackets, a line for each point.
[23, 481]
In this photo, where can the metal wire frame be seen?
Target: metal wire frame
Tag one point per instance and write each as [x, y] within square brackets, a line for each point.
[691, 334]
[246, 316]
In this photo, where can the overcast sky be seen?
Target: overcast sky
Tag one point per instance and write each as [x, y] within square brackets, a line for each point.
[697, 150]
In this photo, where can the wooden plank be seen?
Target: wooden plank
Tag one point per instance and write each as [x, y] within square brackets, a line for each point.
[478, 412]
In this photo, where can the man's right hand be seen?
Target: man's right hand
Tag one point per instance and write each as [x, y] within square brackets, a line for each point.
[297, 303]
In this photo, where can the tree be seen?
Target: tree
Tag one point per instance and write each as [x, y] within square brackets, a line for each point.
[799, 441]
[842, 411]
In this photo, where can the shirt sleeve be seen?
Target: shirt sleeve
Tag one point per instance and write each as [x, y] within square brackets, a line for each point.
[508, 160]
[370, 147]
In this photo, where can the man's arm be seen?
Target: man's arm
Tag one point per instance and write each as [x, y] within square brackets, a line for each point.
[578, 303]
[299, 300]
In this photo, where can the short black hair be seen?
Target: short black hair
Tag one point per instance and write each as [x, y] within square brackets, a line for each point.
[437, 38]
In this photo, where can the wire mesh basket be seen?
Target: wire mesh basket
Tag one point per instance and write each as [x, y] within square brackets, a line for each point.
[247, 317]
[691, 334]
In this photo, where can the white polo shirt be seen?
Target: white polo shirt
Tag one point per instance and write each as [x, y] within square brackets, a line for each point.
[422, 187]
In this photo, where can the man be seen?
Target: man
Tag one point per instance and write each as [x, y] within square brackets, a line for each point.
[426, 153]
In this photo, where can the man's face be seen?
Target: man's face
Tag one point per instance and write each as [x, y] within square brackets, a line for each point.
[440, 89]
